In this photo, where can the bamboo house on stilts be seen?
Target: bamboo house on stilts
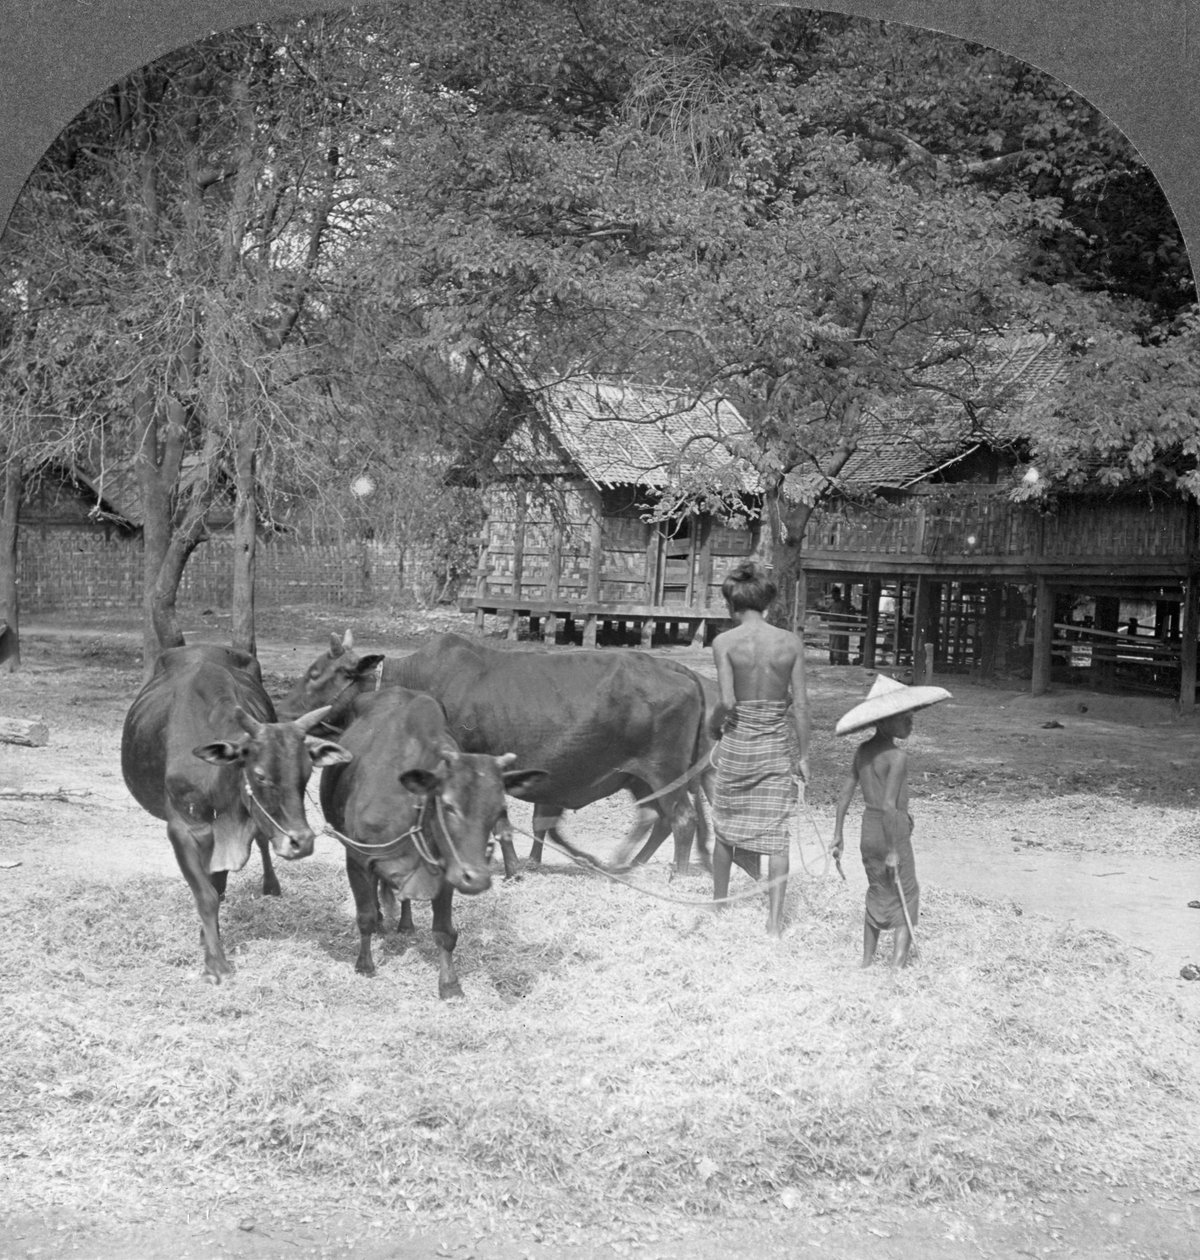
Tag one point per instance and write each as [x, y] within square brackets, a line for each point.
[945, 571]
[580, 541]
[938, 566]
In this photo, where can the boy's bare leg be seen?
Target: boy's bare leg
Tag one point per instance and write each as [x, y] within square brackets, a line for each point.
[900, 947]
[722, 864]
[777, 869]
[870, 941]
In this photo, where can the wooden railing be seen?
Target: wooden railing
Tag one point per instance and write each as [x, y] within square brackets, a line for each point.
[970, 526]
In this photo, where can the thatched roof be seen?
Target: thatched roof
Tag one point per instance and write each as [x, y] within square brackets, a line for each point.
[620, 433]
[617, 433]
[1017, 376]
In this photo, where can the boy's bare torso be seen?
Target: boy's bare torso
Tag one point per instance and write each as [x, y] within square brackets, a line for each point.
[879, 767]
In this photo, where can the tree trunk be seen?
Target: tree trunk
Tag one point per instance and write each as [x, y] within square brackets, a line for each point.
[10, 503]
[245, 533]
[166, 541]
[789, 557]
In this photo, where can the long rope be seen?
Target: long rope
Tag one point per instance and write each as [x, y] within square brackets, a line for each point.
[686, 776]
[616, 878]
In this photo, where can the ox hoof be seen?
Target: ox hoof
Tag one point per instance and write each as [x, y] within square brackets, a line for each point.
[272, 890]
[364, 969]
[447, 991]
[216, 977]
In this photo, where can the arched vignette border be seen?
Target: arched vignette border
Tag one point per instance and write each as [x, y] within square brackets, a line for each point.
[1133, 59]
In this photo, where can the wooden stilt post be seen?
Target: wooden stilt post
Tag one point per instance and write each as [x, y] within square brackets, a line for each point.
[1187, 642]
[898, 624]
[919, 627]
[871, 593]
[1043, 637]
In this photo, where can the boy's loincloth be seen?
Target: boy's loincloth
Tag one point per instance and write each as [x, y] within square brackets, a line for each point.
[756, 790]
[883, 897]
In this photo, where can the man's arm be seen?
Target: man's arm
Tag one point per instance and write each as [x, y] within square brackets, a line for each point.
[728, 700]
[800, 706]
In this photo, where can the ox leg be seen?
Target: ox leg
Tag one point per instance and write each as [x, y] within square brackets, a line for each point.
[677, 816]
[643, 827]
[208, 899]
[270, 884]
[406, 920]
[363, 885]
[658, 833]
[446, 937]
[508, 852]
[683, 824]
[545, 822]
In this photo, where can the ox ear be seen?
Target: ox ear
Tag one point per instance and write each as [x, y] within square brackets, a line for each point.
[222, 753]
[421, 782]
[326, 753]
[517, 779]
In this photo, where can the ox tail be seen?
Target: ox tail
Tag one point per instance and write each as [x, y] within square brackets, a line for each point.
[701, 788]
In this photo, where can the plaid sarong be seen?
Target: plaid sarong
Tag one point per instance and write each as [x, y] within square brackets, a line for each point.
[756, 791]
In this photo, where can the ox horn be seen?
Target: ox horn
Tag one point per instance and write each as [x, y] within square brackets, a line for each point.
[250, 725]
[309, 720]
[505, 760]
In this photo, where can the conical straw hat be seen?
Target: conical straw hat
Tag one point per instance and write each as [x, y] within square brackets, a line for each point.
[886, 698]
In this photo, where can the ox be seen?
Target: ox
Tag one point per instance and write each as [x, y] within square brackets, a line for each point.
[202, 750]
[600, 722]
[597, 721]
[336, 674]
[415, 815]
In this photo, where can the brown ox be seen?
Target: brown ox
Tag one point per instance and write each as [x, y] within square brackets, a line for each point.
[598, 722]
[415, 815]
[202, 750]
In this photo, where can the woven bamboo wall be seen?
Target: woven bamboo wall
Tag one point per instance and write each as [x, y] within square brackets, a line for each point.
[728, 545]
[71, 568]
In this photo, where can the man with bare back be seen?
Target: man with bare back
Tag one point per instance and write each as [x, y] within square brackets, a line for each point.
[763, 724]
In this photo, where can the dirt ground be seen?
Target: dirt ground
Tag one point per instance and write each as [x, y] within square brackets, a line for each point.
[1076, 806]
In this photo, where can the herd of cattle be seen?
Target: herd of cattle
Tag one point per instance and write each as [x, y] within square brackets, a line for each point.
[417, 755]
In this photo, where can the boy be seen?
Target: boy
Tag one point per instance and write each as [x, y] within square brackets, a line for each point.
[880, 769]
[760, 669]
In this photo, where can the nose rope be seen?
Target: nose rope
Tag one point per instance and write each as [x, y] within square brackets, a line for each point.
[262, 809]
[414, 833]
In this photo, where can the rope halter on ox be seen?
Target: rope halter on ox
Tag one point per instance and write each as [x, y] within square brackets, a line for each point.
[416, 833]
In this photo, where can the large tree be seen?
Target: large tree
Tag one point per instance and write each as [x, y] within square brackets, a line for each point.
[191, 220]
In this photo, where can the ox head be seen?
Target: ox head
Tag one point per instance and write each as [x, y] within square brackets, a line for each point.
[275, 760]
[465, 797]
[336, 675]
